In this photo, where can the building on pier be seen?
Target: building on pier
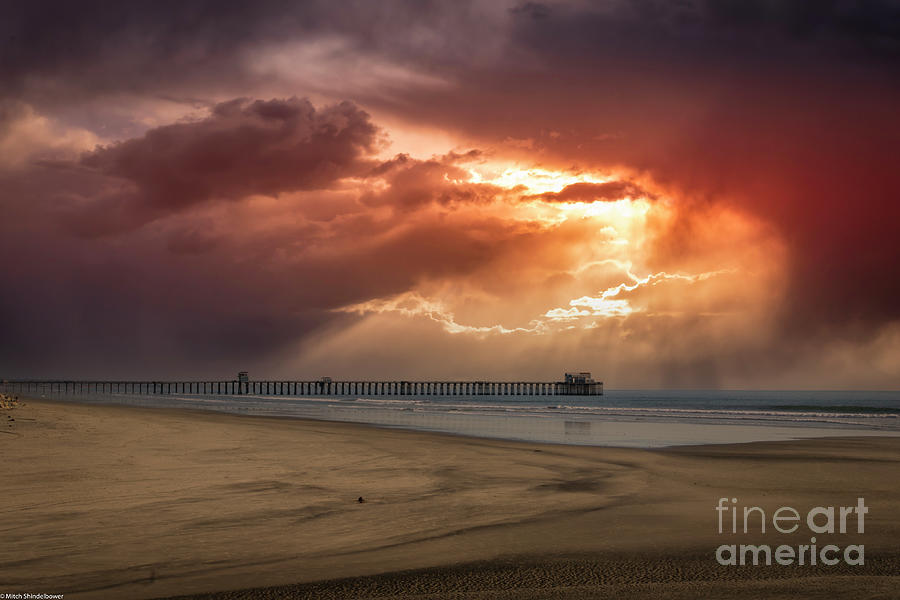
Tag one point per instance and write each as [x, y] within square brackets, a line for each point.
[583, 377]
[580, 384]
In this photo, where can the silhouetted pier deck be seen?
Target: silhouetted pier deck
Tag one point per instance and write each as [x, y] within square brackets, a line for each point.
[306, 388]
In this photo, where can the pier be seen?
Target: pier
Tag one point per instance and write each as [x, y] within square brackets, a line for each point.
[243, 386]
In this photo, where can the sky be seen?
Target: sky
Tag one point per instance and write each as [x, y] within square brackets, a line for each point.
[669, 194]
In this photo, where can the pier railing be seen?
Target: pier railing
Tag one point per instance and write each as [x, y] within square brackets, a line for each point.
[305, 388]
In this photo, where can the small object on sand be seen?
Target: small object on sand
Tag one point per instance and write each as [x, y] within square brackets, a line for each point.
[360, 500]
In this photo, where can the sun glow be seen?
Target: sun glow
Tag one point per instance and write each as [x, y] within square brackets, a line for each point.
[591, 245]
[534, 181]
[607, 305]
[527, 187]
[626, 208]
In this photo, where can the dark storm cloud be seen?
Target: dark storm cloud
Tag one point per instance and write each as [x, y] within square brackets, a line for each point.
[758, 30]
[188, 49]
[55, 53]
[873, 24]
[593, 192]
[99, 46]
[413, 183]
[242, 148]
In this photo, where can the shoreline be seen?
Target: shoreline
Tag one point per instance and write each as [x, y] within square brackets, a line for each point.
[686, 447]
[612, 431]
[109, 500]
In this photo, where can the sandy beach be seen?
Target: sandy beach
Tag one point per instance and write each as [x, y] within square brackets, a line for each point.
[116, 502]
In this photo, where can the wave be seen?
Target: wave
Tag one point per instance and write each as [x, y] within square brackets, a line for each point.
[887, 411]
[839, 415]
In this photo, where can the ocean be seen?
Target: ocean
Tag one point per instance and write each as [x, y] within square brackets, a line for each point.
[630, 418]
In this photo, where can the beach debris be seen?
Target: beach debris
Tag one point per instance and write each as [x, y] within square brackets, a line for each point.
[360, 500]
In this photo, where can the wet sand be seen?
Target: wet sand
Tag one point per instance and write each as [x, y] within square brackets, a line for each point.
[115, 502]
